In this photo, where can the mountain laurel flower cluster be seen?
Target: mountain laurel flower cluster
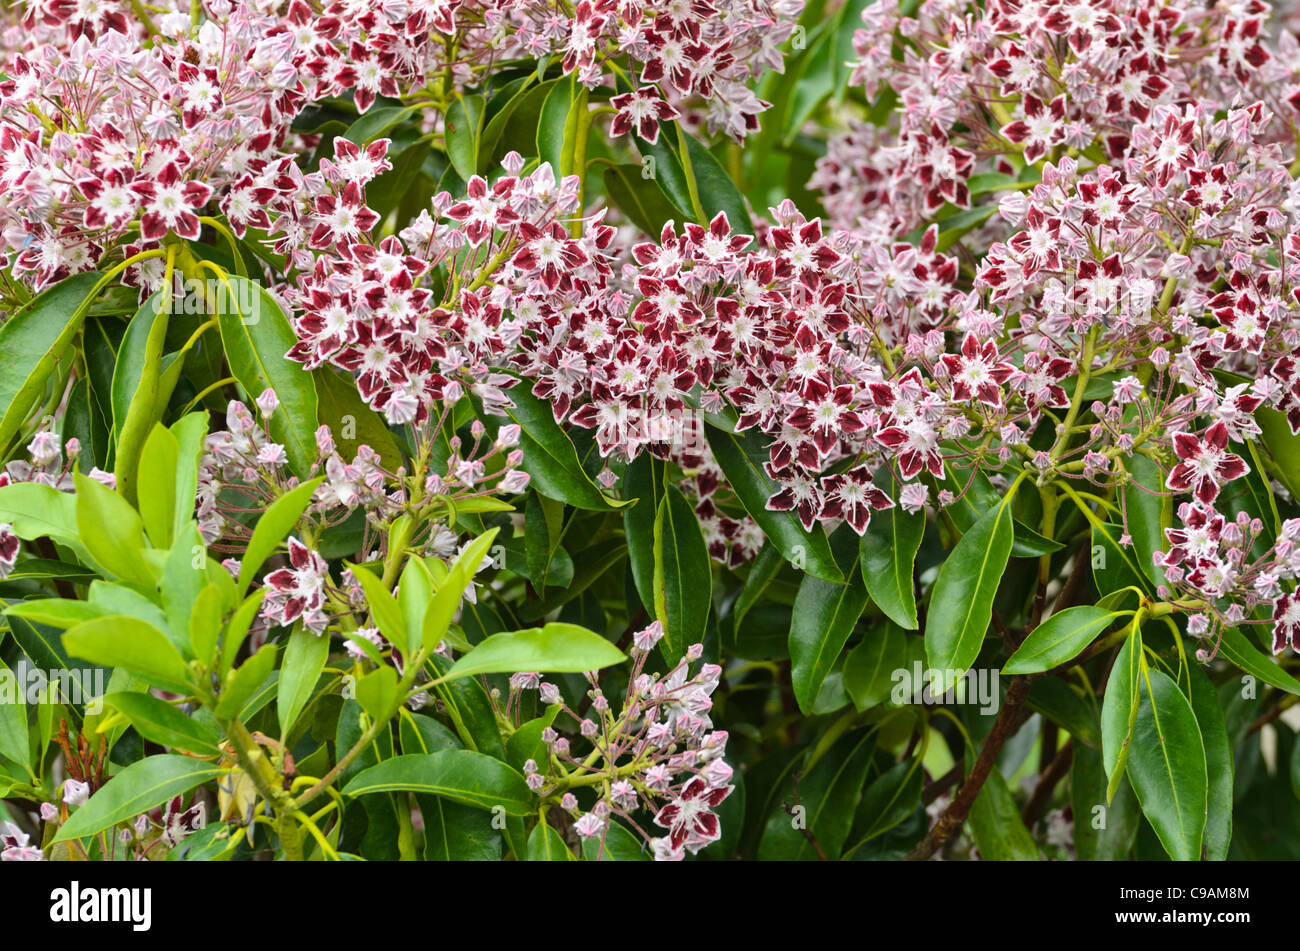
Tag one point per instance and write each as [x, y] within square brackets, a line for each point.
[500, 429]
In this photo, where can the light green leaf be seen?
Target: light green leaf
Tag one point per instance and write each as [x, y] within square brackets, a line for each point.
[137, 789]
[555, 648]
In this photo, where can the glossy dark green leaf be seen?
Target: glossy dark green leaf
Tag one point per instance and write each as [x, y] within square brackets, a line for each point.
[1149, 512]
[824, 617]
[460, 775]
[255, 344]
[1068, 706]
[1218, 763]
[1060, 638]
[869, 667]
[376, 123]
[643, 481]
[1236, 647]
[996, 826]
[961, 605]
[1166, 765]
[549, 456]
[1114, 567]
[741, 457]
[888, 800]
[1102, 832]
[683, 575]
[617, 844]
[557, 123]
[826, 797]
[888, 557]
[545, 844]
[1119, 709]
[637, 196]
[463, 126]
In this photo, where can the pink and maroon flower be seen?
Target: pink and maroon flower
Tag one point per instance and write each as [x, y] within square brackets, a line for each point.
[1205, 463]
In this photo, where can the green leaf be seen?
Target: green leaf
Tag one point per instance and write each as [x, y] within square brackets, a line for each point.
[40, 511]
[383, 606]
[248, 679]
[162, 723]
[1113, 567]
[683, 575]
[827, 793]
[718, 193]
[555, 648]
[352, 423]
[137, 789]
[545, 844]
[438, 615]
[14, 743]
[1060, 638]
[618, 845]
[1119, 709]
[888, 556]
[1218, 763]
[1118, 821]
[643, 480]
[549, 457]
[157, 485]
[190, 431]
[891, 798]
[1282, 444]
[526, 742]
[131, 644]
[304, 659]
[56, 612]
[1167, 766]
[1149, 512]
[1237, 648]
[741, 457]
[32, 341]
[204, 624]
[272, 528]
[256, 343]
[869, 667]
[459, 775]
[111, 531]
[377, 692]
[1067, 706]
[557, 124]
[996, 826]
[414, 592]
[638, 197]
[961, 605]
[463, 124]
[376, 123]
[824, 617]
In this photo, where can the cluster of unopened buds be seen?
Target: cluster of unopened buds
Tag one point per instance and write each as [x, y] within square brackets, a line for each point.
[657, 753]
